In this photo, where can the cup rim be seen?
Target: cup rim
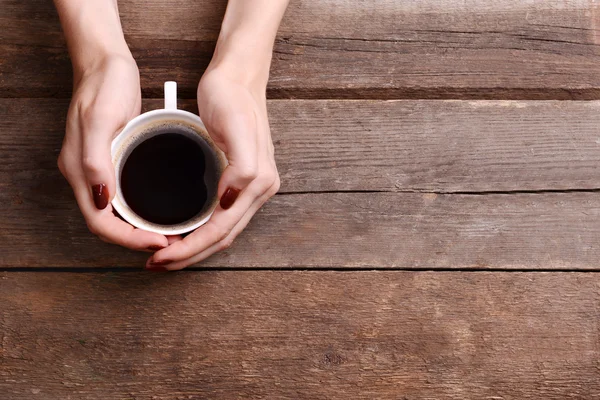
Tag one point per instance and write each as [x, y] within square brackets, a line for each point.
[139, 124]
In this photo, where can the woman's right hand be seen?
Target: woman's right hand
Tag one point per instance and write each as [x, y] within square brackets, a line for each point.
[105, 97]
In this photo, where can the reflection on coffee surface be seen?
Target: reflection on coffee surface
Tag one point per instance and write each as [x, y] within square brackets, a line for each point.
[163, 179]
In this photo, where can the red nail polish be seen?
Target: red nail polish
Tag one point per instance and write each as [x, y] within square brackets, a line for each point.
[156, 268]
[155, 247]
[100, 196]
[161, 262]
[229, 198]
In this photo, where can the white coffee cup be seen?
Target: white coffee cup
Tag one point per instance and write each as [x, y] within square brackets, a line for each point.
[148, 125]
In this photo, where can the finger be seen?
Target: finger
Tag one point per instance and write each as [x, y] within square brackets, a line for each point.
[173, 238]
[119, 232]
[239, 136]
[216, 247]
[106, 225]
[216, 229]
[97, 164]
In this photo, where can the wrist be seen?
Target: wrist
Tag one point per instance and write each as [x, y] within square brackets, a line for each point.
[93, 32]
[95, 50]
[98, 59]
[108, 64]
[245, 45]
[241, 64]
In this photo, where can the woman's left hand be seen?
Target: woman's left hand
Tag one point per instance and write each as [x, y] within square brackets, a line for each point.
[235, 115]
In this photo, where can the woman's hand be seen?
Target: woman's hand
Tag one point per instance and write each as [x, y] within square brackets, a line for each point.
[235, 115]
[232, 105]
[106, 96]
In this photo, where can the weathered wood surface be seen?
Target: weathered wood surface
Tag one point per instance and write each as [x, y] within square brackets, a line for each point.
[299, 335]
[537, 49]
[323, 145]
[366, 184]
[442, 146]
[400, 147]
[342, 230]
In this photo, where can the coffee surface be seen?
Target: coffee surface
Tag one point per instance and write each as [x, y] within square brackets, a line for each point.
[163, 179]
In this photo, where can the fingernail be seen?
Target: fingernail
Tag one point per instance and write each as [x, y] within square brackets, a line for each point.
[155, 247]
[161, 262]
[100, 196]
[229, 198]
[156, 268]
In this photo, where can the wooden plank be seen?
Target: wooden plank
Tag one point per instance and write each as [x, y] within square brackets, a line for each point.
[468, 146]
[537, 49]
[439, 146]
[442, 146]
[300, 335]
[341, 230]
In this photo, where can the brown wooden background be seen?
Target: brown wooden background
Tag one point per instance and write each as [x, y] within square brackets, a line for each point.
[436, 234]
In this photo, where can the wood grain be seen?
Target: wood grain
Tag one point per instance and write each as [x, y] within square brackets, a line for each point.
[299, 335]
[402, 147]
[441, 146]
[433, 146]
[340, 230]
[538, 49]
[427, 185]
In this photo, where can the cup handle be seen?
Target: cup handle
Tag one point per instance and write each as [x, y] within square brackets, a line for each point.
[170, 95]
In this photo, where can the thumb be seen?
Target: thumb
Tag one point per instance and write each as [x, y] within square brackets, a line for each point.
[240, 139]
[98, 168]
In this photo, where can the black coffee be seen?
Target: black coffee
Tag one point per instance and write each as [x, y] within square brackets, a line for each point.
[163, 179]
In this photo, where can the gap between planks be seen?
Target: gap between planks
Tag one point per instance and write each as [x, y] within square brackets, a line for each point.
[486, 94]
[449, 192]
[101, 270]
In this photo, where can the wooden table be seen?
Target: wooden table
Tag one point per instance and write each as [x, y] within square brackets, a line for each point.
[437, 233]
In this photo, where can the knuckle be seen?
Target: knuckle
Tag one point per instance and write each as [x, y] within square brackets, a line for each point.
[60, 162]
[220, 233]
[226, 243]
[267, 179]
[101, 117]
[247, 172]
[95, 112]
[276, 185]
[269, 182]
[65, 160]
[91, 165]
